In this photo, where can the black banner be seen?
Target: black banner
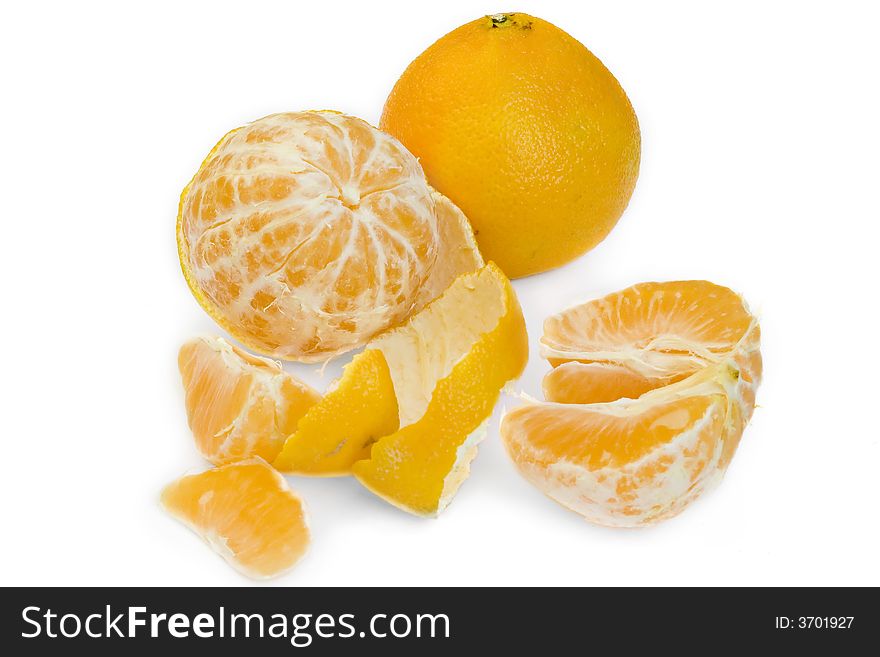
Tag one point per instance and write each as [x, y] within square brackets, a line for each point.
[335, 621]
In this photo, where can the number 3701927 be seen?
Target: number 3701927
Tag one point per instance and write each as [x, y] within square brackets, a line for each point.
[814, 622]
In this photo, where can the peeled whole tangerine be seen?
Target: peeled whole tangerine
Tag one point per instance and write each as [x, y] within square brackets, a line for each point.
[449, 364]
[304, 234]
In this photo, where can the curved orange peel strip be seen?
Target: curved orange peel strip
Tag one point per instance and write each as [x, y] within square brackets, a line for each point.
[339, 430]
[420, 467]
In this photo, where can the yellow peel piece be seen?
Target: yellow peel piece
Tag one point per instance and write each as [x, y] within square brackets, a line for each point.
[339, 430]
[474, 334]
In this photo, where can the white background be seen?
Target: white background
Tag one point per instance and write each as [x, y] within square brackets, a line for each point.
[759, 171]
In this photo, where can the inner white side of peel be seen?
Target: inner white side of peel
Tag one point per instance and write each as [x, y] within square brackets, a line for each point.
[424, 351]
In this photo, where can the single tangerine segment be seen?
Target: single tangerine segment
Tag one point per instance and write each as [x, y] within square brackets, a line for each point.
[305, 233]
[647, 336]
[246, 512]
[239, 405]
[449, 364]
[339, 430]
[585, 383]
[630, 462]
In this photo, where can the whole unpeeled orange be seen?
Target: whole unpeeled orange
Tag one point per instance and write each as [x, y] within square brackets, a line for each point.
[526, 131]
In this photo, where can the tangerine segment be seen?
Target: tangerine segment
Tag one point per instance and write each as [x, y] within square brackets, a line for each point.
[449, 364]
[339, 430]
[630, 462]
[574, 382]
[305, 233]
[239, 405]
[458, 250]
[246, 512]
[663, 331]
